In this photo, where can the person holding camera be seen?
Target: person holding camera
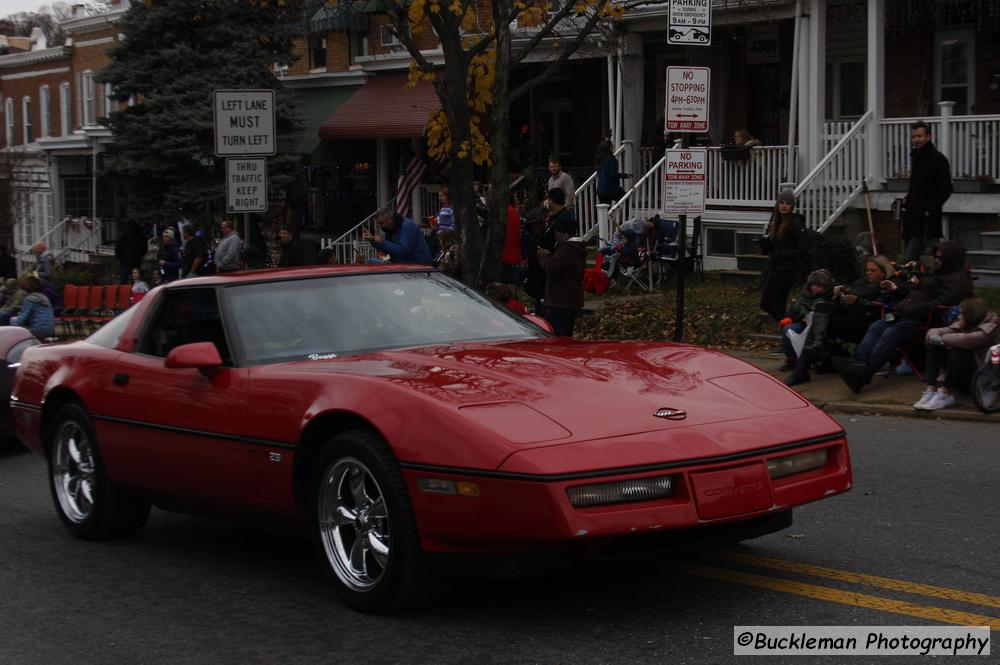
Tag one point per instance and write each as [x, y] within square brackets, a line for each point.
[400, 238]
[948, 285]
[853, 308]
[957, 349]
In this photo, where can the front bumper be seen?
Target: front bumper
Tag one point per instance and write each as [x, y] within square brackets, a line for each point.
[521, 512]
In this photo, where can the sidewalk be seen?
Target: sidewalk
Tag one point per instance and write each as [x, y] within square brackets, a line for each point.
[888, 397]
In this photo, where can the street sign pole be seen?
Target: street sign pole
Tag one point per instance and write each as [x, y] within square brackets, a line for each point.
[244, 122]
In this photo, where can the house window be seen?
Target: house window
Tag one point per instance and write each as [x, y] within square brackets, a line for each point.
[8, 116]
[109, 100]
[44, 111]
[953, 68]
[78, 197]
[65, 118]
[317, 52]
[359, 45]
[89, 103]
[845, 89]
[730, 242]
[26, 118]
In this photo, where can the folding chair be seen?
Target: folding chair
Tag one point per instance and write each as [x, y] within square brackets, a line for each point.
[77, 317]
[124, 299]
[91, 318]
[71, 293]
[673, 260]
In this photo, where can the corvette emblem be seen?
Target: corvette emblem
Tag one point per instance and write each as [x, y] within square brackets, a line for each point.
[671, 414]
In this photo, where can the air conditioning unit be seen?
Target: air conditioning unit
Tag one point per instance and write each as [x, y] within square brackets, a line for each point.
[280, 71]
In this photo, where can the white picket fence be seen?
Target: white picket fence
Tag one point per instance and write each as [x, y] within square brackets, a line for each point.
[753, 182]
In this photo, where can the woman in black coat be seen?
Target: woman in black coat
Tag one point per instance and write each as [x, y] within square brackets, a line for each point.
[784, 243]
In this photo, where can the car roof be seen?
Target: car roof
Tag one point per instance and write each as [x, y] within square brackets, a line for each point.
[282, 274]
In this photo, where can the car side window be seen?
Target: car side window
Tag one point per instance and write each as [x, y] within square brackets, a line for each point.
[185, 316]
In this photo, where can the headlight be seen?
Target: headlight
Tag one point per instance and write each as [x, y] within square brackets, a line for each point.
[621, 491]
[786, 466]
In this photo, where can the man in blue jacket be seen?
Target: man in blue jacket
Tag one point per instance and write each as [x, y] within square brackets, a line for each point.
[402, 239]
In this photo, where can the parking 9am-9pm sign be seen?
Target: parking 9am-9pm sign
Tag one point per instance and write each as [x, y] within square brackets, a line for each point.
[690, 23]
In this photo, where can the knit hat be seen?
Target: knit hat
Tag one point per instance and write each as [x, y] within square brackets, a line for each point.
[10, 286]
[786, 196]
[821, 277]
[169, 233]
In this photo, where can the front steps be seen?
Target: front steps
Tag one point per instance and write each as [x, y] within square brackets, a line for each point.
[986, 262]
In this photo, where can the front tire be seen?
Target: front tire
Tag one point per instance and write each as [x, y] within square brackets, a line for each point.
[364, 527]
[986, 389]
[90, 505]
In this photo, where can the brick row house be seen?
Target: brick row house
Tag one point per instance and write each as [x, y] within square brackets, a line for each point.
[53, 140]
[830, 87]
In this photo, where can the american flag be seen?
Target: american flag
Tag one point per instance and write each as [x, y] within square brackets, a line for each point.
[409, 178]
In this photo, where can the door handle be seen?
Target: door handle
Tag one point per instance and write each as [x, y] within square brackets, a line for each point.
[120, 379]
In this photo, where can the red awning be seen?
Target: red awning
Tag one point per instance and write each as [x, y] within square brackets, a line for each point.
[383, 108]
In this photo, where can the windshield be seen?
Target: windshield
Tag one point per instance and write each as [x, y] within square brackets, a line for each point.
[328, 317]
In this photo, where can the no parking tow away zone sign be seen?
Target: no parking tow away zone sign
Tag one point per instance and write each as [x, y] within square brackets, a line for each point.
[684, 189]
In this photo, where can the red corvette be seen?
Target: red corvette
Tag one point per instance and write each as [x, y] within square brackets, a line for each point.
[401, 417]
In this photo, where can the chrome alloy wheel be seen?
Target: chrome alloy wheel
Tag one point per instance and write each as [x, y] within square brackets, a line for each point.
[354, 524]
[74, 471]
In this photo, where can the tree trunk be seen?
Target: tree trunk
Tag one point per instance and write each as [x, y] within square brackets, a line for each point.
[496, 230]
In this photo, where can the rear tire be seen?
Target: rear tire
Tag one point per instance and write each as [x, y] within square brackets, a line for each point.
[364, 528]
[986, 389]
[90, 505]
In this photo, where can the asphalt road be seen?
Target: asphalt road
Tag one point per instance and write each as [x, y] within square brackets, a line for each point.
[924, 511]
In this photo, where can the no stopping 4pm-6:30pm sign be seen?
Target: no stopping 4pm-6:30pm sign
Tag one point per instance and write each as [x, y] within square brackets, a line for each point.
[684, 186]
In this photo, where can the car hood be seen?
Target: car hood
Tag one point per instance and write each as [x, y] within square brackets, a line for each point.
[563, 390]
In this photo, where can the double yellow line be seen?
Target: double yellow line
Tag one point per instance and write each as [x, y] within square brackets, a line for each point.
[833, 595]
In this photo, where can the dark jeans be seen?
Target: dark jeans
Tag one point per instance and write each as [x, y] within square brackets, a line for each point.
[774, 299]
[959, 366]
[561, 320]
[882, 340]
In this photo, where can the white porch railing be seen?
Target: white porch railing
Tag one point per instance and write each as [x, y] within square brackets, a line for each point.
[753, 182]
[585, 198]
[971, 143]
[643, 199]
[71, 239]
[352, 242]
[897, 146]
[837, 179]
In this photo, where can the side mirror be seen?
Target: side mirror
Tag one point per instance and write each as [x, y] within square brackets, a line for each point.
[540, 322]
[200, 355]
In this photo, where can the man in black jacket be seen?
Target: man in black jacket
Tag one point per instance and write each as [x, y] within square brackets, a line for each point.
[292, 253]
[930, 187]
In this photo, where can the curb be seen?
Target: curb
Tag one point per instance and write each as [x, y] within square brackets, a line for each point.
[896, 410]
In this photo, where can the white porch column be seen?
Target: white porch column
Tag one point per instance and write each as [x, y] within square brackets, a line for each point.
[816, 72]
[943, 140]
[603, 221]
[876, 92]
[632, 81]
[804, 165]
[943, 143]
[382, 171]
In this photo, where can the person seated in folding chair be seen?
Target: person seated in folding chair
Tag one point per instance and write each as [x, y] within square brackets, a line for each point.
[665, 237]
[956, 351]
[844, 319]
[815, 291]
[624, 249]
[947, 285]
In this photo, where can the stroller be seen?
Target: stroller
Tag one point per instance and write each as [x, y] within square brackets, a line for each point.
[986, 382]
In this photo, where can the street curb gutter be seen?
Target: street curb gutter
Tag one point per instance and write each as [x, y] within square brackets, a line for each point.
[861, 408]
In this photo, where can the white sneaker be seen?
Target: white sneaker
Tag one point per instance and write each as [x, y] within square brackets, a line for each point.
[925, 398]
[939, 401]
